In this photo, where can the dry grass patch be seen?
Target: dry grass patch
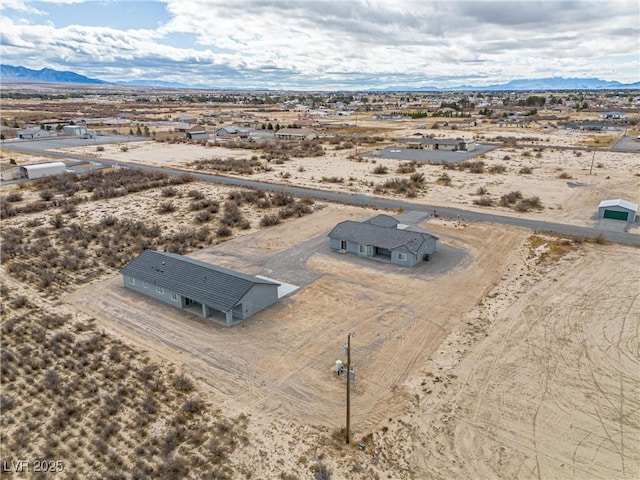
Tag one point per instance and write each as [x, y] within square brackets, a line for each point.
[599, 141]
[549, 248]
[73, 393]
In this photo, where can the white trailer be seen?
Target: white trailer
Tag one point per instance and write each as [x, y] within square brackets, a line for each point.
[42, 170]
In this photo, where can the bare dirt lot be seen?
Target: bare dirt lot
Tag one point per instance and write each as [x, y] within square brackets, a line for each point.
[551, 389]
[508, 355]
[282, 359]
[569, 183]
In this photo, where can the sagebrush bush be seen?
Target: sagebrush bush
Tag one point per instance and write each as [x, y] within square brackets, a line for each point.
[269, 220]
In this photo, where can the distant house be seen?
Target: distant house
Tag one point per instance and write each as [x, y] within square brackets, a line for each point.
[34, 132]
[42, 170]
[439, 144]
[182, 127]
[385, 238]
[614, 115]
[296, 134]
[510, 123]
[462, 124]
[75, 130]
[232, 132]
[197, 133]
[199, 287]
[618, 209]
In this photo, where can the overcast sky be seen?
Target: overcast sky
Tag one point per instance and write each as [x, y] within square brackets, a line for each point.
[318, 44]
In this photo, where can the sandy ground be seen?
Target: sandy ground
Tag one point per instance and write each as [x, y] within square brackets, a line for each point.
[484, 363]
[281, 360]
[573, 199]
[540, 382]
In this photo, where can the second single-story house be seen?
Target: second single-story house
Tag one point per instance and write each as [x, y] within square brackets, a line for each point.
[199, 287]
[384, 237]
[296, 134]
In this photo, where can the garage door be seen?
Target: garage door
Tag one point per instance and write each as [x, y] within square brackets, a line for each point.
[616, 215]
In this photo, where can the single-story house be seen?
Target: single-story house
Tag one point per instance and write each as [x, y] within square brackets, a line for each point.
[296, 134]
[34, 132]
[385, 238]
[42, 170]
[439, 144]
[618, 209]
[198, 287]
[232, 132]
[614, 115]
[182, 126]
[197, 133]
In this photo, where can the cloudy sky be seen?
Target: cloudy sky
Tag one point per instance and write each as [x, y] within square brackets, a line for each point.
[325, 44]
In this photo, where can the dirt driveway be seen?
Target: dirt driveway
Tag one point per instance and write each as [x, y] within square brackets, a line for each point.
[282, 360]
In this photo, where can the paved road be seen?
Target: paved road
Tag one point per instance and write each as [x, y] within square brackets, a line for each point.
[361, 199]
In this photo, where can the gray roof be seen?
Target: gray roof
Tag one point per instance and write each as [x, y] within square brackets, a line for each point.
[389, 237]
[382, 220]
[434, 141]
[208, 284]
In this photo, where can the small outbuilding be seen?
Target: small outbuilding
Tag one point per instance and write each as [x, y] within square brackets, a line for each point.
[618, 209]
[199, 287]
[197, 133]
[42, 170]
[76, 130]
[385, 238]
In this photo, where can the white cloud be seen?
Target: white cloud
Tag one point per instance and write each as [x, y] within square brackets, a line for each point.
[296, 43]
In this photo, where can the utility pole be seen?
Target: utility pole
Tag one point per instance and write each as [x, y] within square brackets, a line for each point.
[347, 433]
[356, 139]
[592, 159]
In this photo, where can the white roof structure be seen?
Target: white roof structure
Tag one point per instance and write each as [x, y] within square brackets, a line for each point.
[44, 166]
[618, 202]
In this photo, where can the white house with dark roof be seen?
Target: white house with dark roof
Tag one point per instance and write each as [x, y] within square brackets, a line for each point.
[199, 287]
[385, 238]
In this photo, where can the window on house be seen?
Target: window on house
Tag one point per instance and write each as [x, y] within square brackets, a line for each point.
[132, 280]
[174, 296]
[160, 290]
[402, 257]
[362, 249]
[144, 284]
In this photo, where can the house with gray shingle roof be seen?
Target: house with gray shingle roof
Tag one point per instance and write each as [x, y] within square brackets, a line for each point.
[199, 287]
[383, 237]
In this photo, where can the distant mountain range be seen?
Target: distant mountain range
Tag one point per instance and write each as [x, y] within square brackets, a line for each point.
[47, 75]
[537, 84]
